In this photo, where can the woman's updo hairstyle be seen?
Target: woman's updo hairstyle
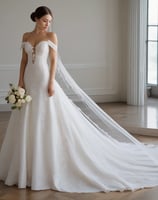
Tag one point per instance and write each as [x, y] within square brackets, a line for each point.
[40, 12]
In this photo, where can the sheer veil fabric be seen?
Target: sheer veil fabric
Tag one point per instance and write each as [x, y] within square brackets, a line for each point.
[67, 142]
[99, 118]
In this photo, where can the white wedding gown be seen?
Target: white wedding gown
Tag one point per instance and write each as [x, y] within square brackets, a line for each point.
[51, 144]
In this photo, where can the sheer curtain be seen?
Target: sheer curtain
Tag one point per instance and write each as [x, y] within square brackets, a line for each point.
[136, 77]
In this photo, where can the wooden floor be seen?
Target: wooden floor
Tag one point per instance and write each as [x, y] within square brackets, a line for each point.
[12, 193]
[121, 113]
[142, 120]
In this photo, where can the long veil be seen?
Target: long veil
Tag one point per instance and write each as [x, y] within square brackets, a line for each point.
[99, 118]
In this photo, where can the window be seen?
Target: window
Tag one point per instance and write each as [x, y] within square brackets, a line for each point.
[152, 43]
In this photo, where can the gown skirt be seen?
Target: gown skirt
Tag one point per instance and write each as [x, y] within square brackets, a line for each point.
[49, 144]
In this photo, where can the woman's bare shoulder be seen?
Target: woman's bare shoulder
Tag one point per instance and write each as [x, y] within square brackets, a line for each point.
[53, 37]
[26, 36]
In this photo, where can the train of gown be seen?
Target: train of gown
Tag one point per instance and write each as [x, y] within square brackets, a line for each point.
[51, 143]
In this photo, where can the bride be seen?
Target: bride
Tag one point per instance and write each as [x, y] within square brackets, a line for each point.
[67, 143]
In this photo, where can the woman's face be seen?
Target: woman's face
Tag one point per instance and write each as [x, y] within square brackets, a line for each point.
[44, 22]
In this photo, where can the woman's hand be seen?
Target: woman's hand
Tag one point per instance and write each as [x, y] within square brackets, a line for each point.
[51, 88]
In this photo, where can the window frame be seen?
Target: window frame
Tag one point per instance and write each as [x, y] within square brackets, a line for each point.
[147, 47]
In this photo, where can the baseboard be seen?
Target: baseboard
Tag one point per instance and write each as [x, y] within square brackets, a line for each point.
[105, 98]
[96, 98]
[4, 108]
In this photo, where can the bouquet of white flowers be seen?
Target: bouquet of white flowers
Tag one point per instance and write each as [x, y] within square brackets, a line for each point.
[17, 97]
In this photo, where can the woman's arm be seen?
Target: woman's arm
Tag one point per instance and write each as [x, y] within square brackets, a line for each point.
[53, 63]
[22, 66]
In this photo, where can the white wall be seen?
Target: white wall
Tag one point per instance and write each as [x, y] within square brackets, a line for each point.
[123, 47]
[89, 33]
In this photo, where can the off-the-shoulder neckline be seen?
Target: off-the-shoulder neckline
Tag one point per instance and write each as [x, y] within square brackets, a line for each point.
[38, 43]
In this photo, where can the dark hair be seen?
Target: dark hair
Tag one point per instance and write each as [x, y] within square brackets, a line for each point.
[40, 12]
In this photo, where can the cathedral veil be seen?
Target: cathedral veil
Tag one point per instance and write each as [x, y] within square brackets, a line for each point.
[102, 121]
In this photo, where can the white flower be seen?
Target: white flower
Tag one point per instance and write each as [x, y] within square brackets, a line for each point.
[18, 104]
[17, 97]
[12, 99]
[23, 101]
[28, 98]
[21, 92]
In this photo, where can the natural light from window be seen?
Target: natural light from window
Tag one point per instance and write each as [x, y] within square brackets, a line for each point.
[152, 64]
